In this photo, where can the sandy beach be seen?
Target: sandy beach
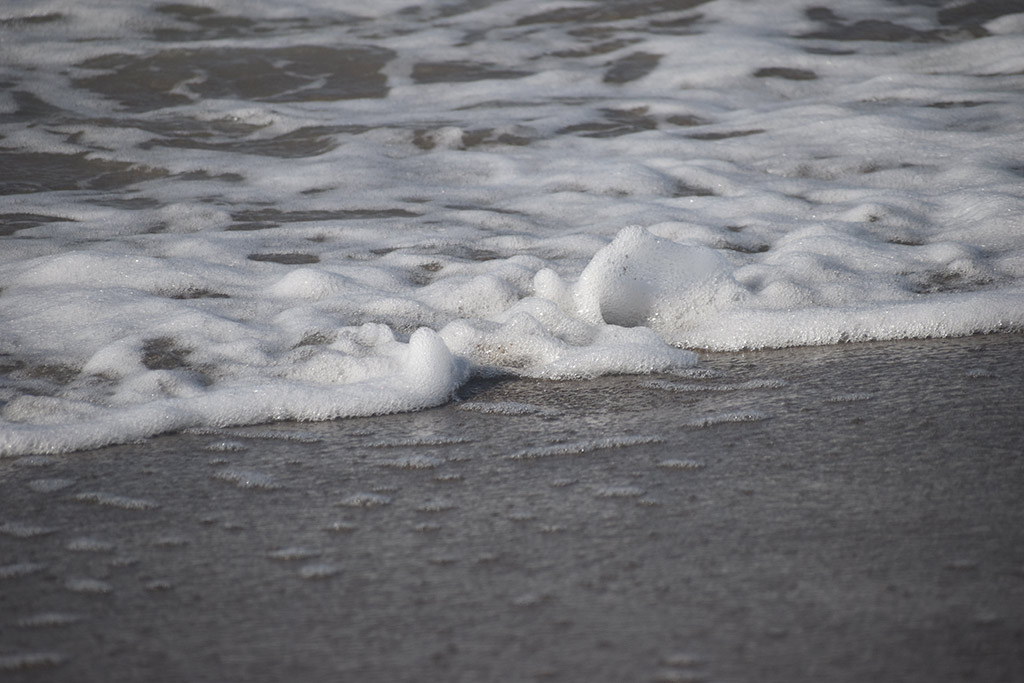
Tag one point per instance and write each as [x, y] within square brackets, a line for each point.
[268, 214]
[840, 513]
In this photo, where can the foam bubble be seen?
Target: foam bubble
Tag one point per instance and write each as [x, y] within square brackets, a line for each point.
[641, 280]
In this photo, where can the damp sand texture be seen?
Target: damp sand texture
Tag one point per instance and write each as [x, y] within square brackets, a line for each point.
[825, 514]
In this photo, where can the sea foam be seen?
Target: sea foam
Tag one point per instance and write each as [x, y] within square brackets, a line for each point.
[344, 210]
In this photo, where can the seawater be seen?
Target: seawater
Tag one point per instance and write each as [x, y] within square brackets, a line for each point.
[232, 213]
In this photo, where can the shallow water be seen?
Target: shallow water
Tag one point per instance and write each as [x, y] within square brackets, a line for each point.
[221, 214]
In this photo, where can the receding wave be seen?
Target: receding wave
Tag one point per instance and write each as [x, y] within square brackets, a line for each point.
[217, 216]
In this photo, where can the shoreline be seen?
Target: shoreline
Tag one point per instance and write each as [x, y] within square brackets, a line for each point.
[807, 514]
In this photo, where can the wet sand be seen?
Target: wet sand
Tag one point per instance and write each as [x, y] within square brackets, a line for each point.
[827, 514]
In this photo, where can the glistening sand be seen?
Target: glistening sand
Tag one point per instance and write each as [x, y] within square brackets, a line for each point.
[850, 514]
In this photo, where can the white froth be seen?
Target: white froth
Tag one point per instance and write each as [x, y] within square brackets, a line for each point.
[510, 196]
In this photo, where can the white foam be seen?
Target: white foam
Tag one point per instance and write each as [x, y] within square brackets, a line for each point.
[552, 210]
[640, 280]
